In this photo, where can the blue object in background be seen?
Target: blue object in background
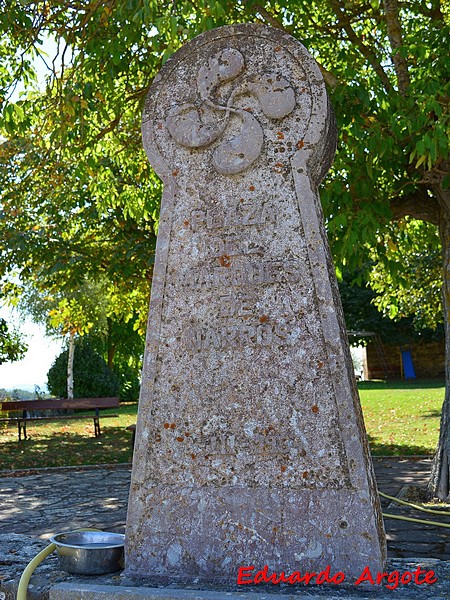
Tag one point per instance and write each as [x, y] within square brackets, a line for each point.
[408, 367]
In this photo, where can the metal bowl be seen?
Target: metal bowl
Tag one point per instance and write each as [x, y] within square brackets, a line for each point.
[90, 552]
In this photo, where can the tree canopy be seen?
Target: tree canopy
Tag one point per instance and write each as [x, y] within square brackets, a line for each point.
[72, 153]
[362, 316]
[408, 281]
[78, 198]
[12, 347]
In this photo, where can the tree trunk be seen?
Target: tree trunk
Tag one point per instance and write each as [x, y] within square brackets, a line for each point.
[111, 345]
[439, 484]
[394, 30]
[70, 365]
[111, 354]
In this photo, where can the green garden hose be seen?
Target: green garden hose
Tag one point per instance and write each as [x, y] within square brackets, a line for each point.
[411, 519]
[30, 568]
[416, 506]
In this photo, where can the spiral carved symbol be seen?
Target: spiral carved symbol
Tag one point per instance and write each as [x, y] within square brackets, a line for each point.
[197, 125]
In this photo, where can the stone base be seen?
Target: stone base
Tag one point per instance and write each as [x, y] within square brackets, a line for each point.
[50, 583]
[80, 591]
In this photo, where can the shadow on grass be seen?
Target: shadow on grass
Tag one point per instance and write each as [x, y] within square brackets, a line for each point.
[383, 449]
[61, 448]
[432, 414]
[401, 385]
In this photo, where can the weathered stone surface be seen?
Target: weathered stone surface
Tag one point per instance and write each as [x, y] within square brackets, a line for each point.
[412, 591]
[250, 446]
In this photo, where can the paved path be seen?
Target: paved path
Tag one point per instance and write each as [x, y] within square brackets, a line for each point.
[45, 502]
[410, 539]
[52, 500]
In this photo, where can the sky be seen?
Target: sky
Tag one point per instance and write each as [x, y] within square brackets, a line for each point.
[42, 351]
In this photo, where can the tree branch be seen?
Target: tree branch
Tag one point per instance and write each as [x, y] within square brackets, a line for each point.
[417, 204]
[433, 13]
[110, 127]
[442, 192]
[395, 38]
[267, 16]
[345, 23]
[138, 94]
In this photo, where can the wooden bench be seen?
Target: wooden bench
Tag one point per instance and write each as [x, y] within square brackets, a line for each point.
[24, 406]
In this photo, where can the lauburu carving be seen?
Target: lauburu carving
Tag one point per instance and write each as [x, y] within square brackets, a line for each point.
[187, 129]
[275, 95]
[238, 153]
[199, 125]
[224, 67]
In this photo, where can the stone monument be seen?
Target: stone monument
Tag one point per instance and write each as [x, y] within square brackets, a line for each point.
[250, 445]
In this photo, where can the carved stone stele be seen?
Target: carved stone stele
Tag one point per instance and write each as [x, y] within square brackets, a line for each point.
[250, 445]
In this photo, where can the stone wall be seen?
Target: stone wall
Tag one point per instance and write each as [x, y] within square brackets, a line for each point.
[428, 359]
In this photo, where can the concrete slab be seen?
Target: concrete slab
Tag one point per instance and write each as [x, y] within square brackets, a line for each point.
[99, 592]
[438, 590]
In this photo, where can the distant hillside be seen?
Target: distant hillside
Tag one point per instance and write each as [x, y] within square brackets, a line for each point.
[19, 394]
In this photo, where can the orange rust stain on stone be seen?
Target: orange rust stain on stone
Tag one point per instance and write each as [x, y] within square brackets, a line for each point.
[225, 260]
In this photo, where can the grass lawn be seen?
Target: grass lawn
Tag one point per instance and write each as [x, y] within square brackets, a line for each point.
[402, 418]
[61, 443]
